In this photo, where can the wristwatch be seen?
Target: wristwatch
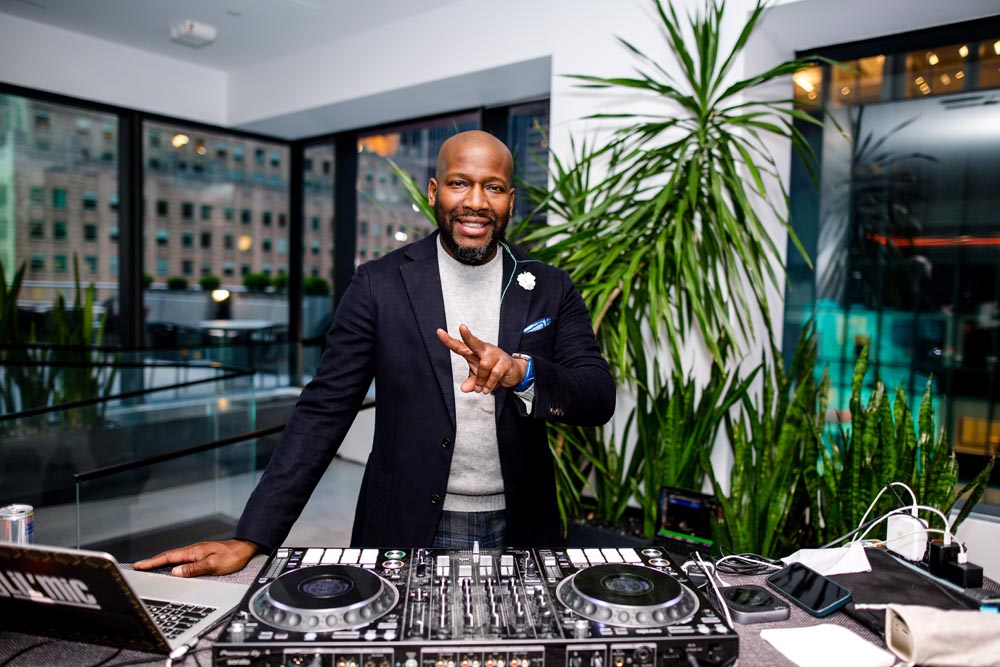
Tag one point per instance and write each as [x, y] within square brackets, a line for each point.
[529, 371]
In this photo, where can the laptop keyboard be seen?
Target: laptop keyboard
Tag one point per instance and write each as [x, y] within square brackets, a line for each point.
[175, 618]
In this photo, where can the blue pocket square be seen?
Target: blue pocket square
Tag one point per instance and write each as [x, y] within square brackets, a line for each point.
[538, 325]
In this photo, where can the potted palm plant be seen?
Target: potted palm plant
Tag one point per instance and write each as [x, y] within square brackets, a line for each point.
[664, 229]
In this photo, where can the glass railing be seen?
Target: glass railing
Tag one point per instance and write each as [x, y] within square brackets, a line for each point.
[139, 508]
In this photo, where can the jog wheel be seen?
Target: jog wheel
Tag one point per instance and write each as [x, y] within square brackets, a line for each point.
[324, 598]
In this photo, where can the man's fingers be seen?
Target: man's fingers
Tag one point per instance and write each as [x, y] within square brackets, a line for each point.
[477, 346]
[171, 557]
[453, 344]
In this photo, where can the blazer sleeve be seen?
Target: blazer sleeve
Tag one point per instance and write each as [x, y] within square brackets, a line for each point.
[575, 386]
[323, 414]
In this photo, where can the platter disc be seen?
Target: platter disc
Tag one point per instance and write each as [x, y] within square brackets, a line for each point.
[627, 595]
[324, 597]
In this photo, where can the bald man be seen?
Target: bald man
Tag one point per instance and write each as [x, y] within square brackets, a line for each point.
[473, 347]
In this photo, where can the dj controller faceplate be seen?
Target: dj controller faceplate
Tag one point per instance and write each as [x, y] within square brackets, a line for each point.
[401, 607]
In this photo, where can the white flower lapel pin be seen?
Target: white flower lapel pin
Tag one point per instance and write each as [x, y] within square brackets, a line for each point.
[526, 279]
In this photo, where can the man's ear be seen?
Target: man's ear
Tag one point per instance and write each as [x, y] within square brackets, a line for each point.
[432, 188]
[510, 209]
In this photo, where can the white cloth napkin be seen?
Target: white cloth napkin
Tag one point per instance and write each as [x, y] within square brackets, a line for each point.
[842, 560]
[827, 645]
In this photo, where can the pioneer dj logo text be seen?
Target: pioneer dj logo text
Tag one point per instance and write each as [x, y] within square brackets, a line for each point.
[46, 589]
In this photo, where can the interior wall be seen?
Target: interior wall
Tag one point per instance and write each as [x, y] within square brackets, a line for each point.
[59, 61]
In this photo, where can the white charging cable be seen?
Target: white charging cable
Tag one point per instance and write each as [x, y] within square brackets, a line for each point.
[711, 574]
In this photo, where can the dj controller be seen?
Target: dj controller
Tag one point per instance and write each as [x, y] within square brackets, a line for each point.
[400, 607]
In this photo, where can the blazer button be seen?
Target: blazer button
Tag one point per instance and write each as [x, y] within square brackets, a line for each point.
[446, 443]
[435, 499]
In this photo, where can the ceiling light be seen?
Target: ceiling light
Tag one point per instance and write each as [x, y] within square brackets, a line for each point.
[193, 33]
[220, 295]
[801, 79]
[919, 80]
[959, 74]
[180, 140]
[945, 79]
[845, 91]
[963, 51]
[401, 236]
[932, 58]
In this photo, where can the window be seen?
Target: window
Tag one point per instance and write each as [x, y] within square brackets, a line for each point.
[90, 233]
[187, 210]
[266, 218]
[206, 212]
[315, 224]
[244, 269]
[36, 230]
[162, 237]
[229, 213]
[187, 240]
[206, 268]
[206, 240]
[275, 159]
[904, 237]
[260, 155]
[89, 201]
[37, 195]
[162, 208]
[161, 266]
[59, 231]
[221, 150]
[314, 247]
[37, 262]
[228, 242]
[42, 120]
[245, 216]
[282, 246]
[187, 267]
[113, 233]
[113, 203]
[238, 151]
[59, 263]
[90, 261]
[228, 269]
[58, 198]
[282, 220]
[265, 244]
[266, 268]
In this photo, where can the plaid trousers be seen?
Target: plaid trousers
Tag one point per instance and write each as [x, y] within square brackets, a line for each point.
[458, 530]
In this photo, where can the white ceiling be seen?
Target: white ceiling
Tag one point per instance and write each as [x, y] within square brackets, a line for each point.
[249, 31]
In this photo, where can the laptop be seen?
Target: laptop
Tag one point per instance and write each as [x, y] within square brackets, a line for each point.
[85, 596]
[684, 521]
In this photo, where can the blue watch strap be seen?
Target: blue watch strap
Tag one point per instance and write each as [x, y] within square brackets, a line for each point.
[529, 376]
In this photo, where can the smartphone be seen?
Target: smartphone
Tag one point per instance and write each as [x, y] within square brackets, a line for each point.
[807, 588]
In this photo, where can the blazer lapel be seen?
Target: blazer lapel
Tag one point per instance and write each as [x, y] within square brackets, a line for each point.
[513, 313]
[423, 287]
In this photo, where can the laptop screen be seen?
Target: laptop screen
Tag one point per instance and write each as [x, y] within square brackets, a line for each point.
[686, 517]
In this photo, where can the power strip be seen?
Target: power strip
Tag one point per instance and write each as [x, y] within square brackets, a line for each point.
[906, 535]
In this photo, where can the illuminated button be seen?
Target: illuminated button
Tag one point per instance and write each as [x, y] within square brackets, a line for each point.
[576, 557]
[465, 570]
[629, 555]
[350, 556]
[331, 556]
[612, 555]
[312, 556]
[369, 556]
[594, 556]
[283, 553]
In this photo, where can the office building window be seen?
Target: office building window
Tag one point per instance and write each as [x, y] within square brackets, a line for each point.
[89, 201]
[37, 262]
[37, 196]
[228, 242]
[904, 230]
[187, 210]
[246, 215]
[162, 208]
[90, 261]
[229, 269]
[36, 230]
[266, 218]
[59, 231]
[90, 233]
[162, 237]
[187, 267]
[206, 212]
[230, 214]
[206, 240]
[265, 244]
[58, 198]
[161, 266]
[59, 263]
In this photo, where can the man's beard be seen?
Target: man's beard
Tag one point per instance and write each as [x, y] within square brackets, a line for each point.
[473, 256]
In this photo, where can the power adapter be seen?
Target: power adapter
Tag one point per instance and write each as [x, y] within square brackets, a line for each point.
[906, 535]
[965, 575]
[940, 555]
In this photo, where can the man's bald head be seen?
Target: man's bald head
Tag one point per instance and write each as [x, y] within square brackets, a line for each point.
[475, 140]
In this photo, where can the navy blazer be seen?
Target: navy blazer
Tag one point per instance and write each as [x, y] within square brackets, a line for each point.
[384, 328]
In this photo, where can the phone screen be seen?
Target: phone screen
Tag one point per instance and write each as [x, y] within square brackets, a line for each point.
[810, 590]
